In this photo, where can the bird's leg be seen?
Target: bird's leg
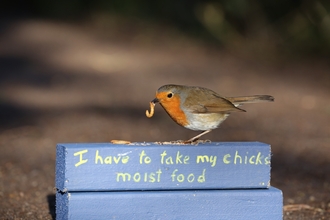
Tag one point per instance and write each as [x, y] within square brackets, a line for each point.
[197, 137]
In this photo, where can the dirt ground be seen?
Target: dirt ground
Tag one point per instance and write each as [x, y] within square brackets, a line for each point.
[72, 83]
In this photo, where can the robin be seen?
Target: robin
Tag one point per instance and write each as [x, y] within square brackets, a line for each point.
[198, 108]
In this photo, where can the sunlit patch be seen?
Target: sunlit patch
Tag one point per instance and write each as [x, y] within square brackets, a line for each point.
[308, 102]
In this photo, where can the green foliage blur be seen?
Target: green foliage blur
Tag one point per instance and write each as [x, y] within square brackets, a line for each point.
[296, 26]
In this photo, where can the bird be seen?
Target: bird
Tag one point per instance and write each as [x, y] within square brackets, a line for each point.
[200, 109]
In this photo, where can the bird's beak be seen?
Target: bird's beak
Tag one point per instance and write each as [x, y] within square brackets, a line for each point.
[155, 100]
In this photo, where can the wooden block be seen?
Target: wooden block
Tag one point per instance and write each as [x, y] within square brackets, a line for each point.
[183, 204]
[150, 166]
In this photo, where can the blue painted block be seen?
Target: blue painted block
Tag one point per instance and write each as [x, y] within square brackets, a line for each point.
[150, 166]
[183, 204]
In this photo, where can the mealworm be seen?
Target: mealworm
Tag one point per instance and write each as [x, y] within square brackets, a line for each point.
[152, 110]
[120, 142]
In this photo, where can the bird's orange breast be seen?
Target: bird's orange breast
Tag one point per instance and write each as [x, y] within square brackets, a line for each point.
[173, 109]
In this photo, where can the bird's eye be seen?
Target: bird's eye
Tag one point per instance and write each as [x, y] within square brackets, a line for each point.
[170, 95]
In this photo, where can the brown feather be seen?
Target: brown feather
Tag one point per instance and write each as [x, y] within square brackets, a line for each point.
[201, 100]
[251, 99]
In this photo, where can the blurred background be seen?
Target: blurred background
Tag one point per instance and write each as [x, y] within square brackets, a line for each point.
[85, 71]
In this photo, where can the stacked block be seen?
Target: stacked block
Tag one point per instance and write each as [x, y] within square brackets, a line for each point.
[227, 180]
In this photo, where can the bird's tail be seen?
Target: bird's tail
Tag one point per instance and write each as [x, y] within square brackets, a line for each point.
[250, 99]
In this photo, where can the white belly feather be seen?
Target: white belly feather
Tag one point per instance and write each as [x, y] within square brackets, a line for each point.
[205, 121]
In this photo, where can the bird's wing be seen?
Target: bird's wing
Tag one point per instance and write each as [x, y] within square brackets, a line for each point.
[209, 103]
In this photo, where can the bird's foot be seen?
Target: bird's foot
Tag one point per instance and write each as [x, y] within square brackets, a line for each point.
[196, 141]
